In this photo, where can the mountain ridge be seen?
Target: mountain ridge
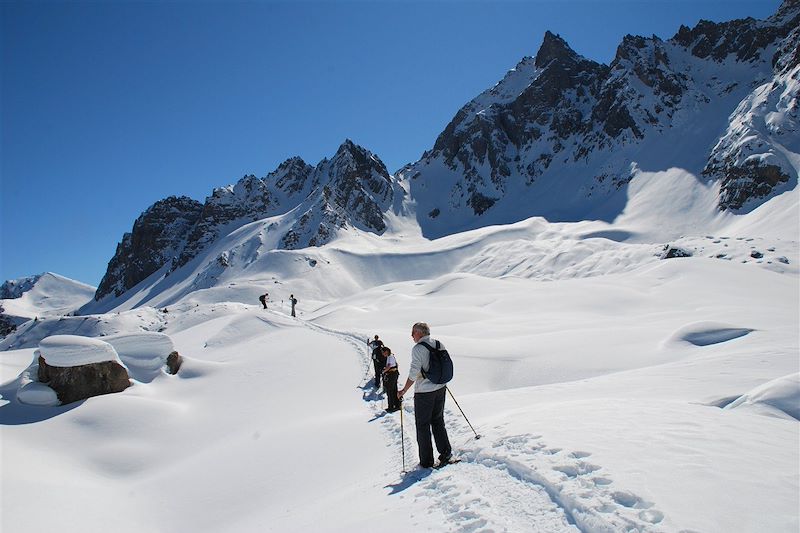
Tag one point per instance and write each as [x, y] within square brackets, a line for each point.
[560, 136]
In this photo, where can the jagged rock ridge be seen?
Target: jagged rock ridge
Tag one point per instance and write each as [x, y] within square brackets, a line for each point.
[560, 135]
[353, 188]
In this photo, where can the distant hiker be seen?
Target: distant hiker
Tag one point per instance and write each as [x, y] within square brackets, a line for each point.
[377, 359]
[263, 299]
[390, 374]
[428, 399]
[293, 300]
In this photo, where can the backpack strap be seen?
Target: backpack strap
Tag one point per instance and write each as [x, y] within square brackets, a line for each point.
[430, 350]
[429, 347]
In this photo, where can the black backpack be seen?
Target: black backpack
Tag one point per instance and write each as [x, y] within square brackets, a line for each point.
[440, 368]
[376, 352]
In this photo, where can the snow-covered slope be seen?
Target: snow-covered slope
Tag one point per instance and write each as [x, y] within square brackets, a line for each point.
[633, 368]
[43, 295]
[304, 206]
[613, 391]
[562, 136]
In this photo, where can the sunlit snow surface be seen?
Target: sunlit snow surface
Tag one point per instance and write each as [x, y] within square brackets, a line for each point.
[613, 390]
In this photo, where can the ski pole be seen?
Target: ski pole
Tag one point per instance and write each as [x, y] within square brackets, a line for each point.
[462, 412]
[402, 439]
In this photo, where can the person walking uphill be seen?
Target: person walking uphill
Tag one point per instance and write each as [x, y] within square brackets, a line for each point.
[293, 301]
[390, 375]
[428, 400]
[263, 299]
[377, 360]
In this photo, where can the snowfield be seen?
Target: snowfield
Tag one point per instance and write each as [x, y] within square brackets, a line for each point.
[613, 390]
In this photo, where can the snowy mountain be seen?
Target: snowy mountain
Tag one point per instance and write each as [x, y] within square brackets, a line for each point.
[629, 361]
[308, 206]
[614, 389]
[561, 136]
[43, 295]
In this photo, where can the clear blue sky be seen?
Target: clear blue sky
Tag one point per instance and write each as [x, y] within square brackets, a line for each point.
[108, 107]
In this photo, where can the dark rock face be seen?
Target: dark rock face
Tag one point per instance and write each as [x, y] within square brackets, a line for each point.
[751, 181]
[174, 362]
[353, 188]
[671, 252]
[15, 288]
[157, 237]
[249, 199]
[746, 162]
[7, 324]
[77, 383]
[584, 123]
[486, 137]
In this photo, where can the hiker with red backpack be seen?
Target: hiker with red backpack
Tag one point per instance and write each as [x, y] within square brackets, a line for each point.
[431, 369]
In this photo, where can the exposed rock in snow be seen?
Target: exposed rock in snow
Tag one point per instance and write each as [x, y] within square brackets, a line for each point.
[77, 368]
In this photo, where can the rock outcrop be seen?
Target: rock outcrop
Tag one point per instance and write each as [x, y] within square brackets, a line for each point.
[751, 160]
[76, 383]
[158, 236]
[352, 189]
[561, 136]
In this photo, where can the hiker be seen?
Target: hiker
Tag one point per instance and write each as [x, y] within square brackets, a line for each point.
[263, 299]
[293, 301]
[390, 375]
[377, 360]
[428, 400]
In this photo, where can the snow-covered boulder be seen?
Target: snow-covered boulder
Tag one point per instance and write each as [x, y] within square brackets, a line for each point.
[145, 353]
[779, 397]
[77, 368]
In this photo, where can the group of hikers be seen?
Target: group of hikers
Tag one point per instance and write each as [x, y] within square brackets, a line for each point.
[264, 298]
[429, 391]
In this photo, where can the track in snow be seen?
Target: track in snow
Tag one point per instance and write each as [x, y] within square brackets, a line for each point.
[504, 482]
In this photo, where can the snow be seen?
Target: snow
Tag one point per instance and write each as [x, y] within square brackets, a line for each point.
[144, 353]
[779, 397]
[51, 295]
[612, 390]
[74, 350]
[35, 393]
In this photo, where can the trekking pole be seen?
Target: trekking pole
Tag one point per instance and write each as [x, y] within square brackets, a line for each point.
[462, 412]
[402, 440]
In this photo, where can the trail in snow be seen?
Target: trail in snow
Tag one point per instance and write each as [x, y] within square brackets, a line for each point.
[508, 483]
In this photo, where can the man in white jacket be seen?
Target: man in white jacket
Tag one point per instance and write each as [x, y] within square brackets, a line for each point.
[428, 400]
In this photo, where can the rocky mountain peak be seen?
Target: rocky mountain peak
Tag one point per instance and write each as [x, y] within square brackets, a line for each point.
[568, 124]
[746, 39]
[787, 11]
[158, 235]
[353, 188]
[554, 48]
[15, 288]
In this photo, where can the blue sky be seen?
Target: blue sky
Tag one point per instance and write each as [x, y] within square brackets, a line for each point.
[107, 107]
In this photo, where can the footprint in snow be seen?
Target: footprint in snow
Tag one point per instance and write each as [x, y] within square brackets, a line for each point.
[628, 499]
[575, 470]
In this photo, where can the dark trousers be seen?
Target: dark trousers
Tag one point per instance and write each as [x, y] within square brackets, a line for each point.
[429, 416]
[390, 386]
[378, 372]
